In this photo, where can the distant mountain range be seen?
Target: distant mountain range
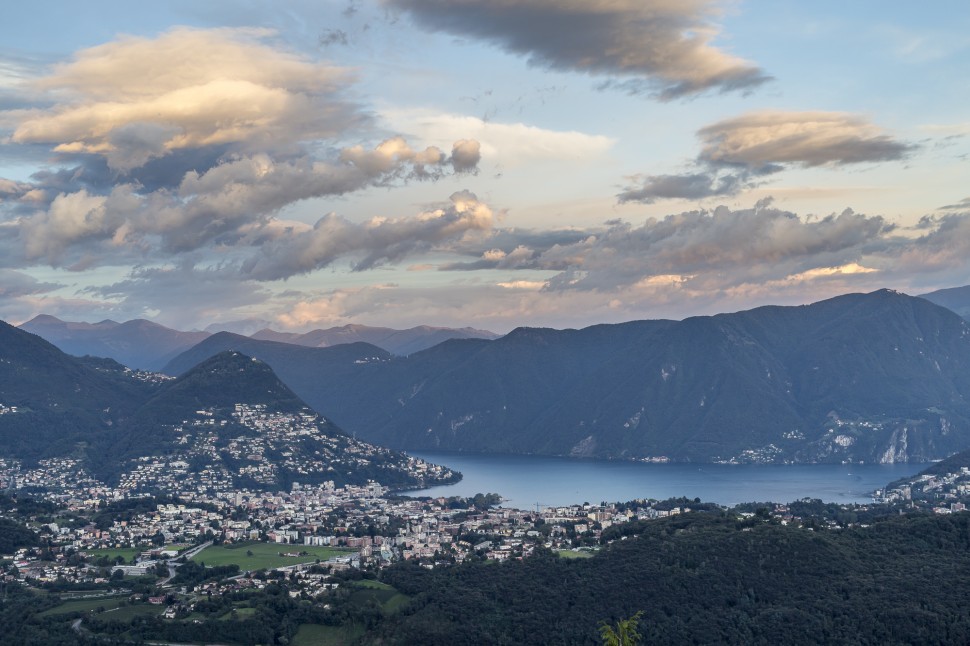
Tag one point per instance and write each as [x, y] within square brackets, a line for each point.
[955, 298]
[399, 342]
[136, 344]
[229, 418]
[880, 377]
[145, 345]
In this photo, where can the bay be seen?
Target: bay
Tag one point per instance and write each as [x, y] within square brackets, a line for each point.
[528, 480]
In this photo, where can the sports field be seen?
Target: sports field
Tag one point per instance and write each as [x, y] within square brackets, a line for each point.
[257, 556]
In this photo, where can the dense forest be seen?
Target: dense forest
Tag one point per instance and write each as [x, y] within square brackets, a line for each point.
[702, 577]
[708, 578]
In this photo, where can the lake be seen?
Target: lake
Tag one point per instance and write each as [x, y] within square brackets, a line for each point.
[527, 480]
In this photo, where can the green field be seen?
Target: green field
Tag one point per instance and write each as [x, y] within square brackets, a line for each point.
[389, 599]
[125, 614]
[569, 554]
[83, 605]
[126, 553]
[317, 635]
[264, 555]
[241, 613]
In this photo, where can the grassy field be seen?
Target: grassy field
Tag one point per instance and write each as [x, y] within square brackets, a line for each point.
[126, 613]
[241, 613]
[113, 610]
[569, 554]
[387, 597]
[264, 555]
[83, 605]
[124, 552]
[317, 635]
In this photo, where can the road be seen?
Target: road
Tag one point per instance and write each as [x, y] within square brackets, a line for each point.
[174, 563]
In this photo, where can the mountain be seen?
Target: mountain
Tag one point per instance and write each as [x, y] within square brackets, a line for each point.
[881, 377]
[955, 298]
[294, 364]
[399, 342]
[137, 344]
[228, 423]
[230, 420]
[52, 403]
[145, 345]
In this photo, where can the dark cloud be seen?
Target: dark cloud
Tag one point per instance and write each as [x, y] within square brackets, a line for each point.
[653, 45]
[962, 205]
[334, 37]
[691, 186]
[731, 244]
[14, 284]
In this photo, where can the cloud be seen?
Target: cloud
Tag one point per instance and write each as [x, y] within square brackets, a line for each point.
[656, 45]
[230, 202]
[736, 153]
[193, 141]
[502, 143]
[720, 247]
[691, 186]
[375, 242]
[176, 294]
[136, 99]
[765, 139]
[14, 284]
[962, 205]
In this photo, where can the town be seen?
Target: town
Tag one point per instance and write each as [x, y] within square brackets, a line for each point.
[147, 536]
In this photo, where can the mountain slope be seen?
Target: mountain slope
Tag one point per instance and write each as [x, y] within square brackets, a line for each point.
[137, 344]
[955, 298]
[231, 422]
[54, 402]
[228, 423]
[399, 342]
[862, 377]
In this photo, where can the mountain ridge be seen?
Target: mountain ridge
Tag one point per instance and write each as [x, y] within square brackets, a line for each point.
[229, 422]
[861, 377]
[146, 345]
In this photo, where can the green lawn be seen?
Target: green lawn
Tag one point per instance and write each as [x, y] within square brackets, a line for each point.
[73, 594]
[241, 613]
[83, 605]
[317, 635]
[569, 554]
[126, 613]
[126, 553]
[389, 599]
[264, 555]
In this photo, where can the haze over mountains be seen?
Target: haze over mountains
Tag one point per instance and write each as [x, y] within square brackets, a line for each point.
[862, 377]
[149, 346]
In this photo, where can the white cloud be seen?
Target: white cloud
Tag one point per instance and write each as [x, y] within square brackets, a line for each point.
[188, 88]
[508, 144]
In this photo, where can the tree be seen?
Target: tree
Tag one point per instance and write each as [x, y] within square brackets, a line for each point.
[624, 634]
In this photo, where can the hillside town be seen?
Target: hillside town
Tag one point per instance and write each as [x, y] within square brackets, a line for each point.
[154, 528]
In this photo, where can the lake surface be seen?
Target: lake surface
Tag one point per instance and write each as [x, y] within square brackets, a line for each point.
[527, 480]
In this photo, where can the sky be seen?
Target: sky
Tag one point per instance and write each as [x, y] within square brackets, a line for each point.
[483, 163]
